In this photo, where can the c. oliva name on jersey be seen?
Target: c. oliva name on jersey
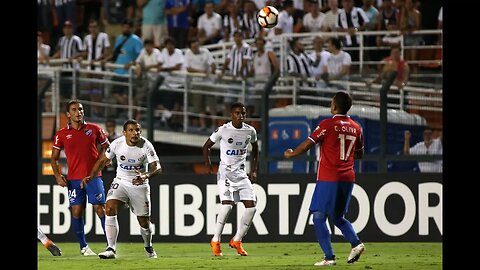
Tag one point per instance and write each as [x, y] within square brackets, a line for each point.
[236, 152]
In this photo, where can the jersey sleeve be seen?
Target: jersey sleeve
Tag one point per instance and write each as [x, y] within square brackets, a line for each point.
[216, 135]
[57, 141]
[150, 151]
[254, 136]
[359, 144]
[318, 135]
[102, 138]
[110, 152]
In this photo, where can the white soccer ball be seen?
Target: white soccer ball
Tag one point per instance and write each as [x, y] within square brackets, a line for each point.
[267, 17]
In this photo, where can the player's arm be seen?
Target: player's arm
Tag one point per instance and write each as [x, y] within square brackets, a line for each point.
[206, 154]
[300, 149]
[254, 162]
[154, 168]
[102, 161]
[59, 178]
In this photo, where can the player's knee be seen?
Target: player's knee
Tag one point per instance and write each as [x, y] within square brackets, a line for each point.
[339, 221]
[319, 217]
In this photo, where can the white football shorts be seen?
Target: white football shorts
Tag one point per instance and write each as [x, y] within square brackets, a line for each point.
[137, 197]
[234, 186]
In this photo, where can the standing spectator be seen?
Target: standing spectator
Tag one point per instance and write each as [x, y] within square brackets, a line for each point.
[313, 20]
[249, 20]
[234, 185]
[232, 19]
[428, 146]
[69, 48]
[126, 50]
[285, 20]
[66, 10]
[341, 141]
[47, 243]
[43, 51]
[79, 141]
[200, 60]
[177, 12]
[387, 19]
[209, 26]
[90, 10]
[134, 154]
[154, 24]
[351, 19]
[331, 17]
[411, 20]
[338, 64]
[369, 40]
[97, 46]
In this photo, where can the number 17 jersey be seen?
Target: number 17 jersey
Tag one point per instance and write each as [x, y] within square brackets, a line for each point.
[339, 138]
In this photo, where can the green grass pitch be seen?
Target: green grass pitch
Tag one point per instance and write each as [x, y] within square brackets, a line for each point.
[382, 256]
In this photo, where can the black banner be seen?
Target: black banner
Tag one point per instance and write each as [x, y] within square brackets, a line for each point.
[384, 207]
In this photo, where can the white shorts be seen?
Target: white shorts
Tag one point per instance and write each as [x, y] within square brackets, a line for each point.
[137, 197]
[234, 186]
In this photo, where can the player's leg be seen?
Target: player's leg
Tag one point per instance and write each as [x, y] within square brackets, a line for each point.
[246, 194]
[341, 208]
[96, 197]
[321, 204]
[47, 243]
[77, 198]
[226, 197]
[139, 197]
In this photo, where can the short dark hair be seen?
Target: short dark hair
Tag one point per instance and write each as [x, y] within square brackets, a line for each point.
[71, 102]
[343, 101]
[128, 21]
[169, 40]
[148, 41]
[336, 42]
[237, 105]
[130, 122]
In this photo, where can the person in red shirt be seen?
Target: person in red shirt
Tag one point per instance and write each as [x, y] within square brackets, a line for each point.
[79, 141]
[341, 141]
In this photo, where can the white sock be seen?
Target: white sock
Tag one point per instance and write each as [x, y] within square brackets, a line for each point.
[225, 210]
[147, 235]
[245, 223]
[111, 231]
[42, 237]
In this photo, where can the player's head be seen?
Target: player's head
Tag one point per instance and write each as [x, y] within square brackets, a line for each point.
[132, 131]
[74, 111]
[238, 112]
[341, 103]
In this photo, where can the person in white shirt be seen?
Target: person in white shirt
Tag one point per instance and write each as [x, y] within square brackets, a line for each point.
[428, 146]
[319, 57]
[137, 162]
[234, 185]
[209, 25]
[43, 51]
[338, 64]
[313, 20]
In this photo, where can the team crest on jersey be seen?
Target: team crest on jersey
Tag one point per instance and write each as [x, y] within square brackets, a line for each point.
[108, 149]
[230, 140]
[122, 158]
[88, 132]
[216, 130]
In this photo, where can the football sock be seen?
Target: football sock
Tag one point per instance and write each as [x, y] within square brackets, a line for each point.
[245, 223]
[42, 237]
[147, 235]
[323, 235]
[78, 229]
[111, 231]
[347, 230]
[225, 210]
[102, 221]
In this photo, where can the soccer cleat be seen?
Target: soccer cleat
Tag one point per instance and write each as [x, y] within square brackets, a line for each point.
[238, 246]
[325, 262]
[216, 248]
[108, 254]
[86, 251]
[53, 248]
[150, 252]
[355, 253]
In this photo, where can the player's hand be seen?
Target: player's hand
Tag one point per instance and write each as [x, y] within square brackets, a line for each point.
[139, 178]
[85, 181]
[209, 168]
[61, 181]
[288, 153]
[253, 177]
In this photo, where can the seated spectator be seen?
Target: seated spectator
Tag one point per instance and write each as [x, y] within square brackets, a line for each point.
[338, 64]
[209, 26]
[429, 146]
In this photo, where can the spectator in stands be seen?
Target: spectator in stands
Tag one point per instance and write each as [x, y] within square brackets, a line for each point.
[238, 64]
[110, 130]
[209, 26]
[70, 49]
[154, 23]
[171, 59]
[331, 17]
[251, 27]
[369, 40]
[45, 19]
[126, 50]
[313, 20]
[351, 19]
[177, 20]
[66, 11]
[200, 60]
[338, 64]
[299, 66]
[318, 57]
[43, 51]
[97, 46]
[90, 10]
[428, 146]
[387, 19]
[285, 20]
[411, 20]
[393, 63]
[232, 19]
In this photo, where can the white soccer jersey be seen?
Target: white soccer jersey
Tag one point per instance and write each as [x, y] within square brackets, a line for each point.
[131, 158]
[234, 144]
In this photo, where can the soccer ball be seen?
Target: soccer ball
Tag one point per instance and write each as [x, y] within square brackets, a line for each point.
[267, 17]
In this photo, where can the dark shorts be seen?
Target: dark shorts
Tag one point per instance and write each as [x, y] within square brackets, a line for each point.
[94, 191]
[331, 197]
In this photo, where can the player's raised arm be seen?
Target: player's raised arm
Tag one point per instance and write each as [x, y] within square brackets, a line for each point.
[206, 154]
[59, 178]
[301, 148]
